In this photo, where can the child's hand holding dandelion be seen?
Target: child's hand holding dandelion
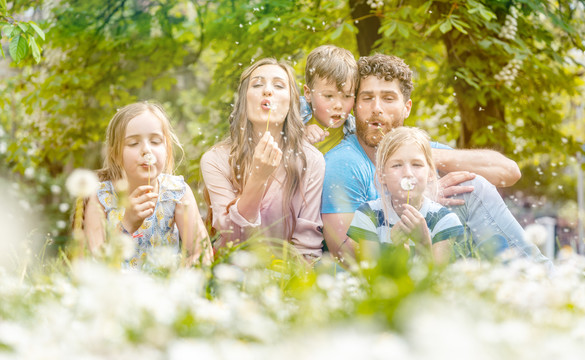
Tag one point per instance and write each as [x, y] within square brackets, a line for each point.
[315, 134]
[141, 204]
[412, 225]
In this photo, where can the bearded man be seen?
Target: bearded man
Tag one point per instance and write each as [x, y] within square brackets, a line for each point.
[468, 177]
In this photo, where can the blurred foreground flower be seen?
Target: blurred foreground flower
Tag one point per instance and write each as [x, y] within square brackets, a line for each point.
[15, 242]
[82, 183]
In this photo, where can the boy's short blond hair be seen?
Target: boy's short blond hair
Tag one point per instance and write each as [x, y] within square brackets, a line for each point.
[333, 64]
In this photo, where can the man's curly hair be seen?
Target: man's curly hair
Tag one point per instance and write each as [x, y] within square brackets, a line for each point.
[387, 67]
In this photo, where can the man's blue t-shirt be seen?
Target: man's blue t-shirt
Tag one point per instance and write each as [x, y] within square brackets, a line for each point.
[350, 177]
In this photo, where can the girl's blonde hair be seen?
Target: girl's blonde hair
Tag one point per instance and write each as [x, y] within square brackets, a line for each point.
[242, 141]
[391, 142]
[113, 168]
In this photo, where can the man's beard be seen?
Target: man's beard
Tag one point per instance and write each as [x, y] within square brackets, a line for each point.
[373, 136]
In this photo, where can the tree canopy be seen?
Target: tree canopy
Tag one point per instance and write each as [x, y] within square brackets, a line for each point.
[492, 73]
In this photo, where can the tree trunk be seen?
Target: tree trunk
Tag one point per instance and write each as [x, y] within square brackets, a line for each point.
[475, 118]
[367, 24]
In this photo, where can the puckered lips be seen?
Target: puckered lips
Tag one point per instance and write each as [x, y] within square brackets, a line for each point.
[376, 124]
[336, 117]
[265, 104]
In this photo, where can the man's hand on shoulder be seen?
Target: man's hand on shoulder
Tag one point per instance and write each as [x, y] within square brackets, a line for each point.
[449, 186]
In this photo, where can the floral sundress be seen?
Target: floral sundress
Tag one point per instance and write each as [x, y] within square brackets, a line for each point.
[160, 228]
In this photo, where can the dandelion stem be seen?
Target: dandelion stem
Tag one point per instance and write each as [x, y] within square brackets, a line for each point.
[328, 127]
[78, 227]
[285, 265]
[407, 197]
[268, 122]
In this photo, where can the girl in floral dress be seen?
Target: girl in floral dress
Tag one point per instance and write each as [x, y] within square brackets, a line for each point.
[138, 195]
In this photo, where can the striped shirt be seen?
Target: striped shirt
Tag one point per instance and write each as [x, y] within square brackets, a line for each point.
[369, 222]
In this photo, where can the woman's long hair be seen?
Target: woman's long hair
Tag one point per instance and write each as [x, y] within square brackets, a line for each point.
[242, 141]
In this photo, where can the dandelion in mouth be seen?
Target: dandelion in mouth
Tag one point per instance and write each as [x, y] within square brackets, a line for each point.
[270, 107]
[149, 160]
[407, 184]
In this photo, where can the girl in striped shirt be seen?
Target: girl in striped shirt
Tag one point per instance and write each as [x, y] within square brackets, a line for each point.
[403, 215]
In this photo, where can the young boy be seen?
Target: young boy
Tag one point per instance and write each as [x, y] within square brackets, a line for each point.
[331, 77]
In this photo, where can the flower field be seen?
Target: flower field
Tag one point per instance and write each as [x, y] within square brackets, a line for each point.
[251, 306]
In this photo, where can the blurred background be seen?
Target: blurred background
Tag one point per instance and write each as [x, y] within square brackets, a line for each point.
[507, 75]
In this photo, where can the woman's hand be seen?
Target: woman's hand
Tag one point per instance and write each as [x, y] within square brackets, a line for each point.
[267, 156]
[315, 134]
[141, 205]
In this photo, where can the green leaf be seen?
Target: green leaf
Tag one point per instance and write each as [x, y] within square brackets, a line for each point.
[3, 7]
[459, 25]
[446, 26]
[8, 29]
[23, 26]
[337, 33]
[351, 28]
[264, 24]
[431, 30]
[38, 30]
[18, 48]
[2, 52]
[390, 29]
[403, 30]
[36, 52]
[486, 14]
[485, 43]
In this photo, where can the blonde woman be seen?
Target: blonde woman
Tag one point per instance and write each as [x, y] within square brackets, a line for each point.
[266, 178]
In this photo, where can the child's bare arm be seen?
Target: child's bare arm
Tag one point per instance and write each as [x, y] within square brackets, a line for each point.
[93, 224]
[442, 251]
[192, 230]
[315, 134]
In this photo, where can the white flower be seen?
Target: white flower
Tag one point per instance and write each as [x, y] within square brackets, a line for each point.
[29, 173]
[510, 27]
[163, 257]
[82, 183]
[127, 246]
[244, 259]
[228, 273]
[375, 3]
[509, 72]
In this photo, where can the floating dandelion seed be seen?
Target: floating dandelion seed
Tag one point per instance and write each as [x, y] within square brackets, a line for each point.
[380, 129]
[407, 184]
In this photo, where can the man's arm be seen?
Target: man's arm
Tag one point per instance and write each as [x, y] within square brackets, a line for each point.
[335, 228]
[495, 167]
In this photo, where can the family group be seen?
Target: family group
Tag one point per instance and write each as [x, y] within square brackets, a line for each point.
[334, 169]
